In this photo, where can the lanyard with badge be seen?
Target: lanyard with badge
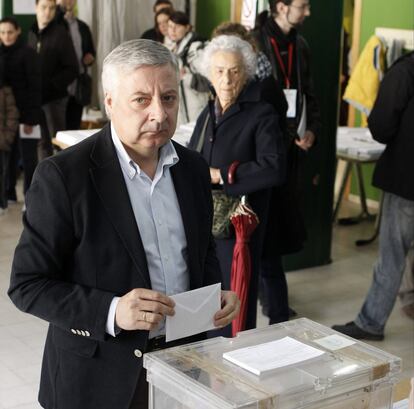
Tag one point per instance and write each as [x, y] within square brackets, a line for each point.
[290, 94]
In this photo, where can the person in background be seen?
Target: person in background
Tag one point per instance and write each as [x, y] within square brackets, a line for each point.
[114, 226]
[391, 122]
[22, 74]
[9, 121]
[186, 44]
[239, 131]
[59, 67]
[161, 24]
[159, 31]
[85, 52]
[289, 55]
[272, 92]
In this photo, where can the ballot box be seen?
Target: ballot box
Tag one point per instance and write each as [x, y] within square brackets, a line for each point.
[252, 371]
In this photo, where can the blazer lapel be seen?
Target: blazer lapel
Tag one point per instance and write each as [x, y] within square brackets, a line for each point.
[110, 185]
[180, 176]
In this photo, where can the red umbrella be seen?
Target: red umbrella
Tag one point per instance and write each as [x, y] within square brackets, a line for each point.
[245, 221]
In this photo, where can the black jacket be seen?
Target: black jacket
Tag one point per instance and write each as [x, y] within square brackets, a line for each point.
[59, 65]
[301, 73]
[84, 31]
[22, 74]
[80, 247]
[152, 34]
[247, 132]
[392, 122]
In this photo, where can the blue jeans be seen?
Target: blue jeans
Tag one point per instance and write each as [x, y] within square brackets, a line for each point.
[396, 236]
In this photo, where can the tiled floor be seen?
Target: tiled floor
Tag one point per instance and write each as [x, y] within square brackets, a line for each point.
[330, 294]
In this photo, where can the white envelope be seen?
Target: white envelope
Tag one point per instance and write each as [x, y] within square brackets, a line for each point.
[194, 312]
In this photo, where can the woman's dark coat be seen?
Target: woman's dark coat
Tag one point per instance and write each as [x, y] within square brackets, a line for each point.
[247, 132]
[22, 74]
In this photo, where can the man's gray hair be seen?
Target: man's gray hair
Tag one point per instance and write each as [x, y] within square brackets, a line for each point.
[232, 44]
[131, 55]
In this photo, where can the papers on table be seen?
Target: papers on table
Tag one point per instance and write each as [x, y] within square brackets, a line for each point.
[35, 134]
[194, 312]
[266, 357]
[402, 404]
[358, 143]
[70, 138]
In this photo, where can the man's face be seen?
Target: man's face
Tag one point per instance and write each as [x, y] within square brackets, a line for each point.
[297, 12]
[68, 5]
[45, 12]
[8, 34]
[143, 107]
[228, 76]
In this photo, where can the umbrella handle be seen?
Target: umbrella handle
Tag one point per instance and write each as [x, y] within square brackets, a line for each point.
[231, 174]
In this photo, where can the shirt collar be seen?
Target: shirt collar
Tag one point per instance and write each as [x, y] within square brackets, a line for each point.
[168, 156]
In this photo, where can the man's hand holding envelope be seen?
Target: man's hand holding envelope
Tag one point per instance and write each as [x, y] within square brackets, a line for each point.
[187, 313]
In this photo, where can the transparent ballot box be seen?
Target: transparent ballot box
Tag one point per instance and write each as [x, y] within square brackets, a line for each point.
[346, 374]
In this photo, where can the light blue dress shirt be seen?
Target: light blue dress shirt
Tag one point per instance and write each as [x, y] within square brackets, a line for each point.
[158, 217]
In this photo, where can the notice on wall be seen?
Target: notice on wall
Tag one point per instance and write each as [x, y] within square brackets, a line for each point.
[24, 7]
[248, 15]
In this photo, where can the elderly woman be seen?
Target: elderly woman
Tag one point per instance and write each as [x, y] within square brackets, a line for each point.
[239, 132]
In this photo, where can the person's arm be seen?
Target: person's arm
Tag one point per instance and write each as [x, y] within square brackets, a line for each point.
[41, 280]
[31, 113]
[88, 47]
[68, 62]
[313, 114]
[12, 116]
[396, 90]
[269, 167]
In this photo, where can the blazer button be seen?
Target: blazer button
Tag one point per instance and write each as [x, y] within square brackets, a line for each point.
[83, 333]
[73, 331]
[138, 353]
[78, 332]
[87, 333]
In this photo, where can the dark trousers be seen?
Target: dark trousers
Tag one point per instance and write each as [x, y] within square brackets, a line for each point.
[275, 290]
[24, 150]
[4, 170]
[73, 114]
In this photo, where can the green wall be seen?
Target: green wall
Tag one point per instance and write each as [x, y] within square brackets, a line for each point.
[381, 13]
[25, 21]
[323, 32]
[210, 13]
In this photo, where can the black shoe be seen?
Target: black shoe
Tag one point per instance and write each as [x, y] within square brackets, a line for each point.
[353, 331]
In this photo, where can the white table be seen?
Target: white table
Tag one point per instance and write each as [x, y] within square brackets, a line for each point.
[357, 147]
[64, 139]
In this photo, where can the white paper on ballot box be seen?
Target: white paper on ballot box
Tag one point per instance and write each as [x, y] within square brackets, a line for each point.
[194, 312]
[266, 357]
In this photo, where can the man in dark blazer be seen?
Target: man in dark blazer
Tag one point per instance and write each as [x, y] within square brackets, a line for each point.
[113, 226]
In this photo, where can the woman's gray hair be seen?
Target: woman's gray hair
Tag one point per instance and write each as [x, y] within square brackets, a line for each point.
[232, 44]
[130, 55]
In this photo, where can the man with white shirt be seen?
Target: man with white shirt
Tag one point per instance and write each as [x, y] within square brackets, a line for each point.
[114, 225]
